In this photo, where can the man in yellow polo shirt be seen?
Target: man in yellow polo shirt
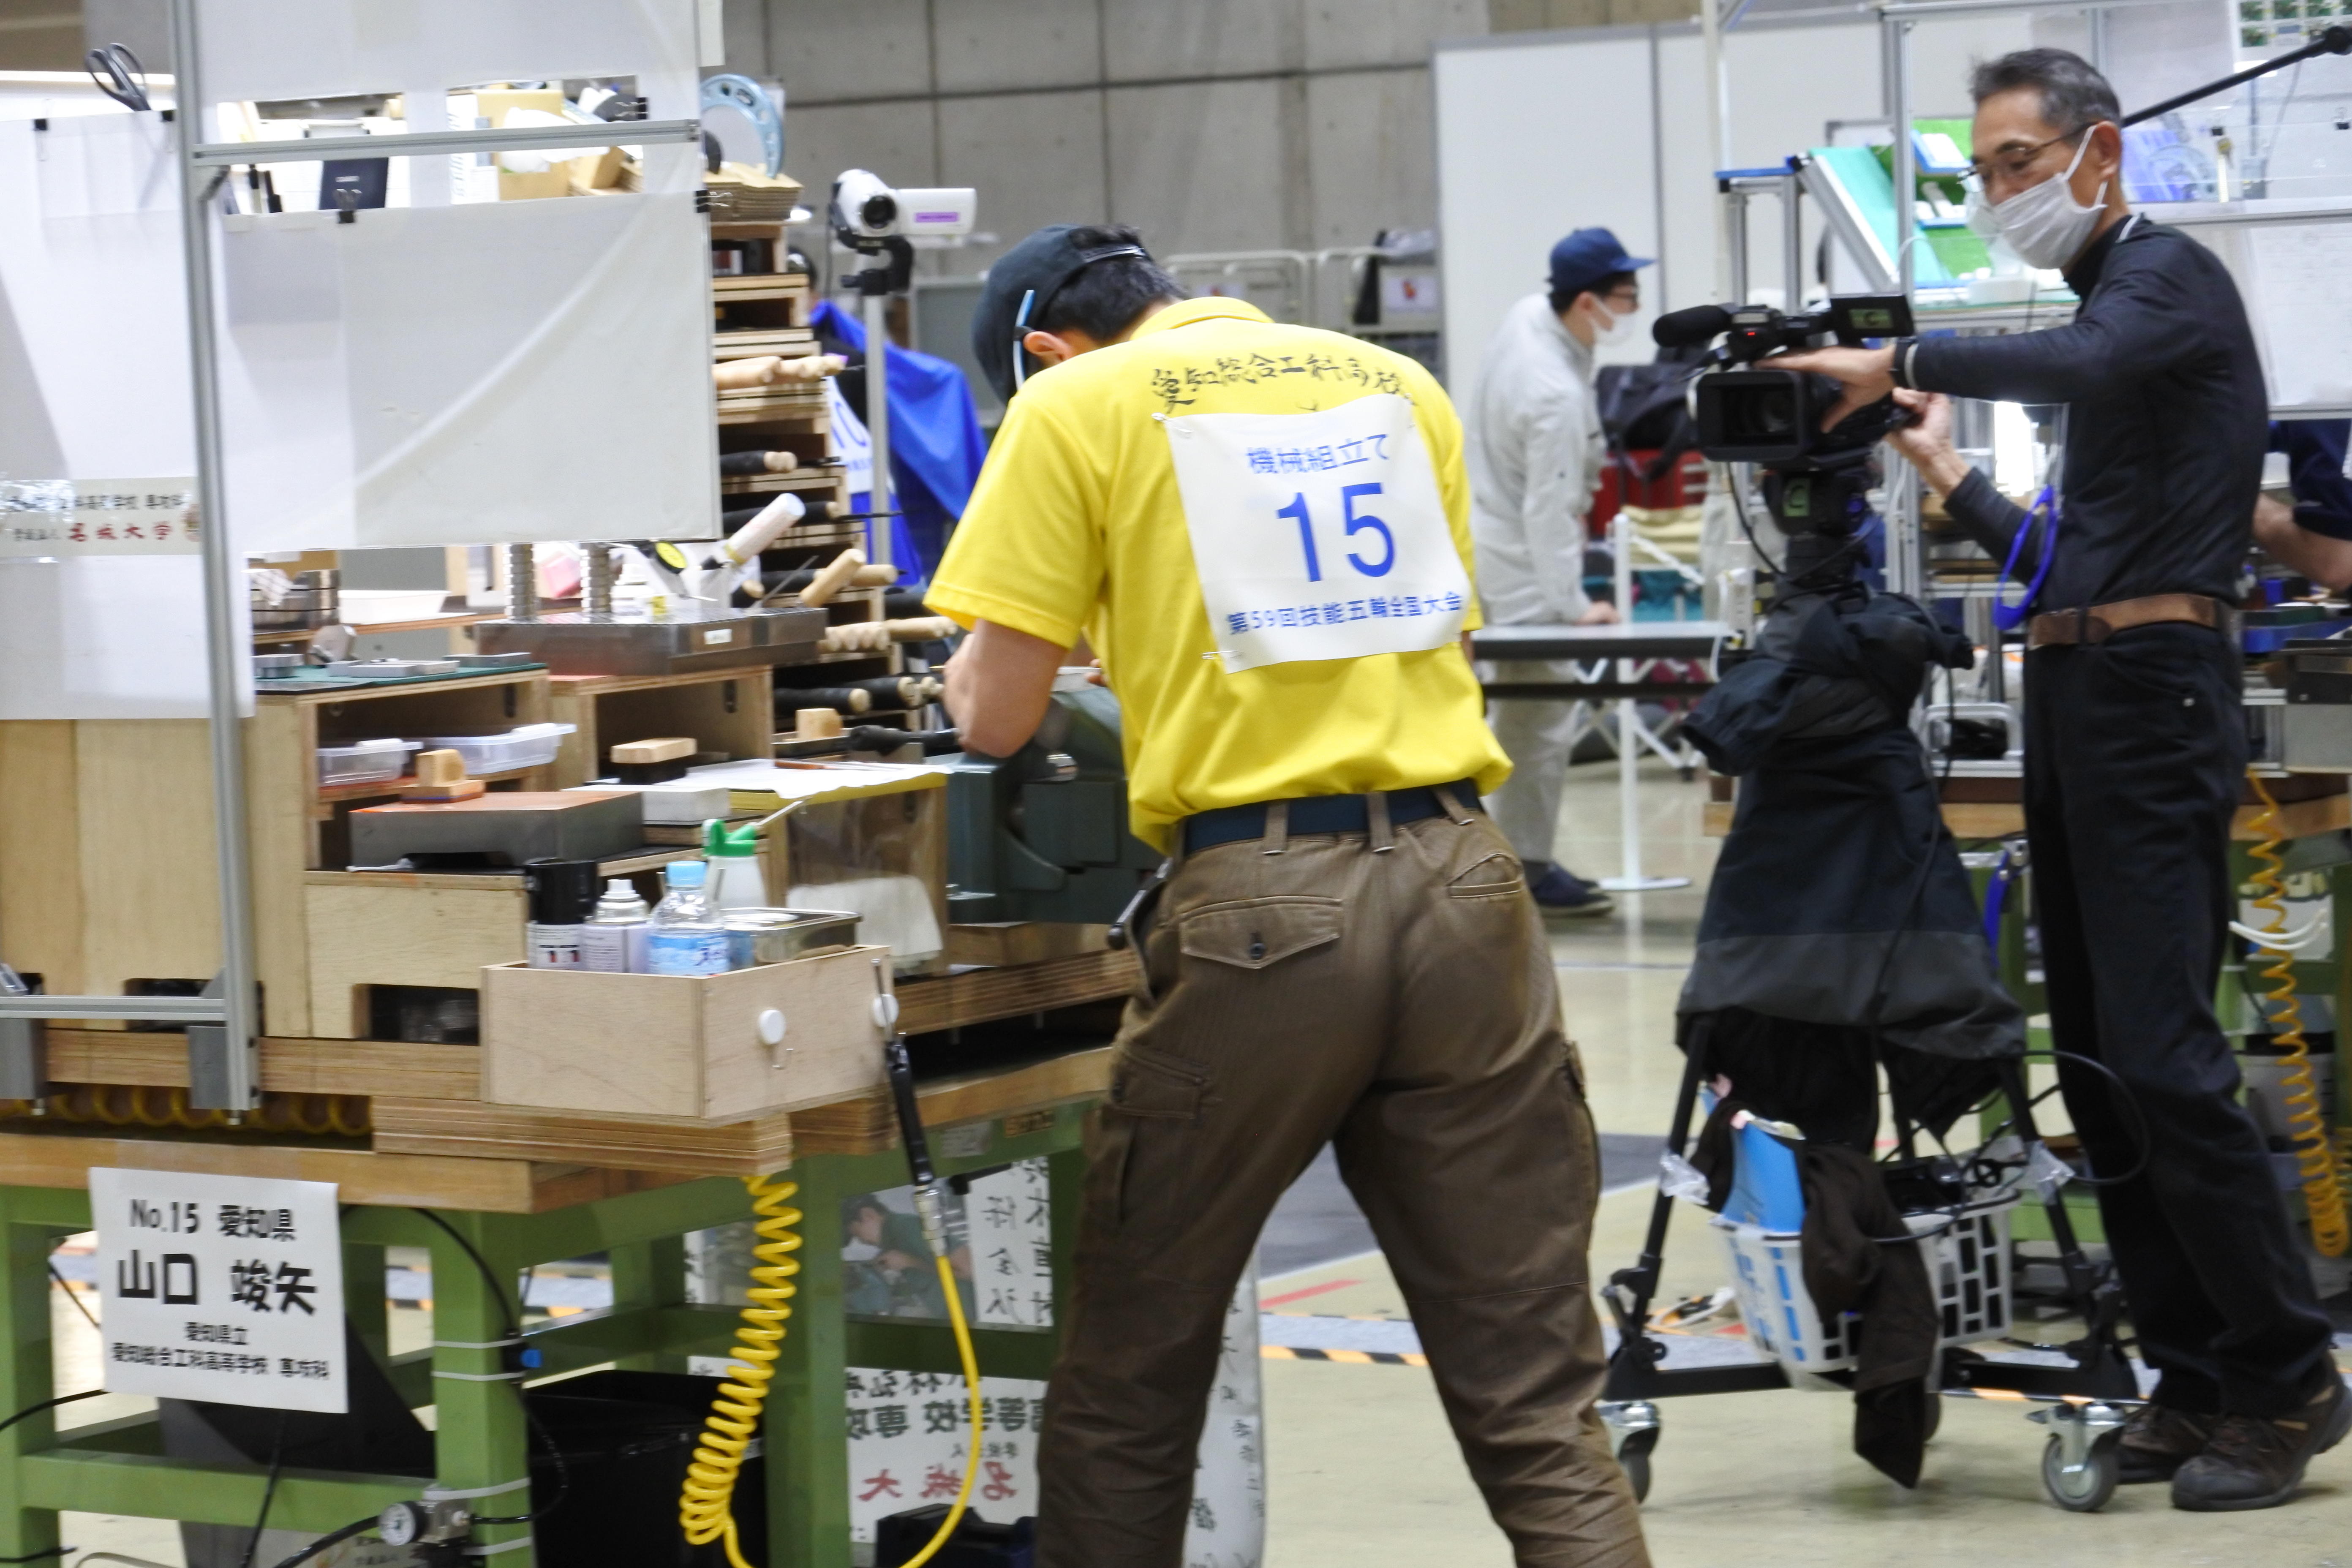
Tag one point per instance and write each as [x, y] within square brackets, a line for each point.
[1264, 532]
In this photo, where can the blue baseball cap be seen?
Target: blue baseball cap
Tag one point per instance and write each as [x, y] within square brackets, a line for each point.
[1586, 256]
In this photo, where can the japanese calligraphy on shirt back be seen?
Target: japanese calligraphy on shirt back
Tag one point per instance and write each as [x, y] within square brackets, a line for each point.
[221, 1288]
[1319, 535]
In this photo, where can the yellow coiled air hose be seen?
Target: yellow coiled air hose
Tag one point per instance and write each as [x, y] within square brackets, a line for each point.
[2316, 1157]
[705, 1507]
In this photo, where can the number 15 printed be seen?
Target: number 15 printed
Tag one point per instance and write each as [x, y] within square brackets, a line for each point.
[1357, 522]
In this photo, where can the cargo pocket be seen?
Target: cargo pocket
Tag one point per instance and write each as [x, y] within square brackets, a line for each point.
[1496, 877]
[1256, 933]
[1153, 1098]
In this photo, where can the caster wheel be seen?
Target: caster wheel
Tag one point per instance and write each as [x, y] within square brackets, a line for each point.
[2084, 1490]
[1633, 1458]
[1637, 1472]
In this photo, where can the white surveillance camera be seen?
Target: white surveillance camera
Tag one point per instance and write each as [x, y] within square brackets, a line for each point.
[864, 208]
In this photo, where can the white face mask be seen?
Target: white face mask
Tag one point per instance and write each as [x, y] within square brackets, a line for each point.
[1611, 329]
[2044, 223]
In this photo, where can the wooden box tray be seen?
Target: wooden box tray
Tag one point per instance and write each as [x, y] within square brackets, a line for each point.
[667, 1045]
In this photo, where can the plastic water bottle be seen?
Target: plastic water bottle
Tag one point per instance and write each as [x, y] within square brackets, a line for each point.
[685, 938]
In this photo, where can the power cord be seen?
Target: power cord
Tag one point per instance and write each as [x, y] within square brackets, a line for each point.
[32, 1410]
[513, 1314]
[336, 1539]
[268, 1492]
[29, 1411]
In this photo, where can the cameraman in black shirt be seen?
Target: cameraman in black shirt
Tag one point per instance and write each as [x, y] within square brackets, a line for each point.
[2134, 748]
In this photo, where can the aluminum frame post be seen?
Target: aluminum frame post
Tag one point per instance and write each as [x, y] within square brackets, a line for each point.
[877, 418]
[1906, 170]
[222, 1060]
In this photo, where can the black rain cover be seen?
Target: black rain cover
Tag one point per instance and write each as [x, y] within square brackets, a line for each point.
[1839, 899]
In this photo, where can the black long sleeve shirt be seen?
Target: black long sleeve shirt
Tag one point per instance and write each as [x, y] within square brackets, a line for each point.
[2167, 415]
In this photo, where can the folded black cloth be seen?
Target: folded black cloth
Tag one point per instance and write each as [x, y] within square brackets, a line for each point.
[1855, 1264]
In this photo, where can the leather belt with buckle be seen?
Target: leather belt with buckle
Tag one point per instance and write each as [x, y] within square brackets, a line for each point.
[2097, 623]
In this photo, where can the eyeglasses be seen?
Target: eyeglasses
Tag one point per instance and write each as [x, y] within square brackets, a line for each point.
[2016, 163]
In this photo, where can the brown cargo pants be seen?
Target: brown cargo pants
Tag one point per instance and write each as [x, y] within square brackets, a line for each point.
[1400, 1001]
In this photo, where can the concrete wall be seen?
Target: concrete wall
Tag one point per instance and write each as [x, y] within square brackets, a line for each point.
[40, 35]
[1211, 124]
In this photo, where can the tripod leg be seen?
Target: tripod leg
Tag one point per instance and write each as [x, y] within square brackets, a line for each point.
[1631, 1290]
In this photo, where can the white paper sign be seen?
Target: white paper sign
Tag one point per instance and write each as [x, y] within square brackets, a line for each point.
[227, 1289]
[99, 517]
[1227, 1525]
[850, 439]
[908, 1436]
[1319, 536]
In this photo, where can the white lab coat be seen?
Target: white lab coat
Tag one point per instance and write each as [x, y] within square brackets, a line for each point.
[1535, 452]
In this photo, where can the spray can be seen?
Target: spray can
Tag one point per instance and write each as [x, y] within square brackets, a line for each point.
[614, 940]
[562, 894]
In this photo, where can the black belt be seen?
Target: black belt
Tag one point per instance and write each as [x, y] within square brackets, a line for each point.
[1322, 814]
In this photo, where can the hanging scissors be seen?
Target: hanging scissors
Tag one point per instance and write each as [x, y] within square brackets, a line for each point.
[119, 75]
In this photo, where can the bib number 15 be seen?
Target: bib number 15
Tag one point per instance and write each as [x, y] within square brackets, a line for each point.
[1357, 522]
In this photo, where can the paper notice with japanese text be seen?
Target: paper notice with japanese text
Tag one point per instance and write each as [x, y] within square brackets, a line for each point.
[1319, 536]
[227, 1289]
[99, 517]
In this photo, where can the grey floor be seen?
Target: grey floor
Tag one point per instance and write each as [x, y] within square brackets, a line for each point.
[1318, 1221]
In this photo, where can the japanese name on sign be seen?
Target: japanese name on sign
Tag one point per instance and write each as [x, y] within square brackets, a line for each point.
[99, 517]
[227, 1289]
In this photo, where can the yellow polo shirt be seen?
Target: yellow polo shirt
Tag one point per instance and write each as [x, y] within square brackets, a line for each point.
[1077, 526]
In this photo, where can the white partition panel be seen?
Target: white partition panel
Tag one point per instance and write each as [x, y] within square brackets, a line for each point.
[433, 376]
[1539, 133]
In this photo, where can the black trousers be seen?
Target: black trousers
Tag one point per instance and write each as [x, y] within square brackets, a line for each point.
[2134, 752]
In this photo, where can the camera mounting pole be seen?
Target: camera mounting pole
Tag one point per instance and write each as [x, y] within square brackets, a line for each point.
[890, 269]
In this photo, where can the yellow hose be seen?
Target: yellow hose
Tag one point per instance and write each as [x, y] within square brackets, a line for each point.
[2323, 1188]
[971, 1392]
[706, 1506]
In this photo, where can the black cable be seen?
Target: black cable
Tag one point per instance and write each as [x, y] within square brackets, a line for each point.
[530, 1417]
[337, 1539]
[1739, 507]
[2140, 1138]
[49, 1404]
[489, 1275]
[43, 1555]
[75, 1296]
[268, 1492]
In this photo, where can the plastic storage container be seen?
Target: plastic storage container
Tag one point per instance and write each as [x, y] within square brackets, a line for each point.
[1968, 1264]
[530, 746]
[364, 761]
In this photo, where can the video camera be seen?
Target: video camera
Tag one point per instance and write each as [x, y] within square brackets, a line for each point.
[1747, 411]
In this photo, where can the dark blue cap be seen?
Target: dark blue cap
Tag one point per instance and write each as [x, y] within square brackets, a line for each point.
[1586, 256]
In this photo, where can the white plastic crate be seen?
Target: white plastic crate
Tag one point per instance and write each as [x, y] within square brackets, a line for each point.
[1968, 1266]
[527, 746]
[364, 761]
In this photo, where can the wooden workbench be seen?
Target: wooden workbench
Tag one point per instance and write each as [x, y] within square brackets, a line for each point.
[521, 1188]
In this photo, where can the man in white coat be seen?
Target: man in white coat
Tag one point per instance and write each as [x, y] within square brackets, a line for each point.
[1535, 453]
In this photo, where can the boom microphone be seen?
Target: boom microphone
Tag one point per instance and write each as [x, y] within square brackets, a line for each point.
[1689, 328]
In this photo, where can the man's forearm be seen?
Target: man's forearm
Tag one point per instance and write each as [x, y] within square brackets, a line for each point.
[1944, 469]
[998, 685]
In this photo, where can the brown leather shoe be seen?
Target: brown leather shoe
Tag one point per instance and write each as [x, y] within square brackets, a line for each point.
[2158, 1439]
[2253, 1462]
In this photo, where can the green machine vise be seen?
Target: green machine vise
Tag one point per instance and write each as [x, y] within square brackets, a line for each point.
[1041, 835]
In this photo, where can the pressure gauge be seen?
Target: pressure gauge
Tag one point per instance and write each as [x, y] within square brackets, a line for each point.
[403, 1525]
